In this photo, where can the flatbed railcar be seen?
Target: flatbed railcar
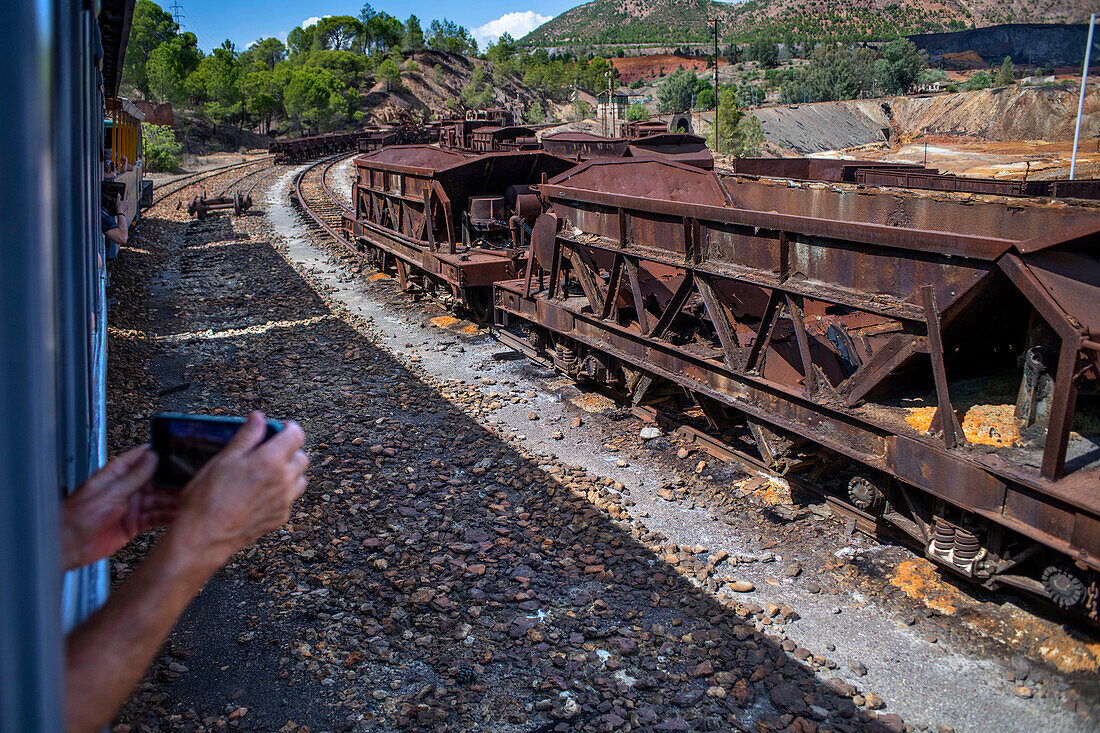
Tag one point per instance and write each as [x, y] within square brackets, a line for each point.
[946, 353]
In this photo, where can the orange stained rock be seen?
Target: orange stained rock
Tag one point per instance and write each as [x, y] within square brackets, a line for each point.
[994, 425]
[444, 321]
[919, 580]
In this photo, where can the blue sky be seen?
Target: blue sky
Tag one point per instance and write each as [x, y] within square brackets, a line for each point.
[243, 21]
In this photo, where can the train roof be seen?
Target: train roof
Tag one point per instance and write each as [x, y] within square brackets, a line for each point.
[114, 28]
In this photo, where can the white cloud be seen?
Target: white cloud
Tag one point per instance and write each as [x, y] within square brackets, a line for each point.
[313, 20]
[515, 24]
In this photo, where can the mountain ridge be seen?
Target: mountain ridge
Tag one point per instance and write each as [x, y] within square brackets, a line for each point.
[686, 21]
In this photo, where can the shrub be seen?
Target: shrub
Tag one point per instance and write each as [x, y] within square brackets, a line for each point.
[162, 150]
[980, 80]
[637, 113]
[390, 73]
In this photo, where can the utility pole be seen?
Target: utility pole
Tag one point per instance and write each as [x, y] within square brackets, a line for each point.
[716, 143]
[1081, 101]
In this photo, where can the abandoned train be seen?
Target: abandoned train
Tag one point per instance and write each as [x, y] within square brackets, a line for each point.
[940, 355]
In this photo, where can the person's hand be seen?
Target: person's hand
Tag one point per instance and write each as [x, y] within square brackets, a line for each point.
[111, 507]
[120, 205]
[242, 493]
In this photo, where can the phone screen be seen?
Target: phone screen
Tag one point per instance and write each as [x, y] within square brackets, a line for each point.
[184, 443]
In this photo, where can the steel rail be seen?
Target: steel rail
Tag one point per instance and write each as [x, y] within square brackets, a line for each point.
[300, 196]
[198, 176]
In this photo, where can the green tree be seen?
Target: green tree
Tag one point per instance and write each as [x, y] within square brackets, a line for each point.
[675, 91]
[262, 95]
[219, 74]
[162, 150]
[905, 63]
[150, 26]
[478, 94]
[346, 66]
[437, 75]
[383, 32]
[414, 35]
[931, 76]
[390, 73]
[728, 119]
[765, 51]
[637, 113]
[446, 35]
[536, 113]
[169, 65]
[705, 99]
[268, 51]
[315, 97]
[980, 80]
[503, 50]
[299, 42]
[582, 110]
[1007, 73]
[337, 32]
[751, 133]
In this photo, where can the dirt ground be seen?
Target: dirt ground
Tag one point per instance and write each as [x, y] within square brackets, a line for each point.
[1033, 159]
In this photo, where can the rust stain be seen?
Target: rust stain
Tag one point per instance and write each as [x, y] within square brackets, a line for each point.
[772, 491]
[378, 276]
[471, 329]
[444, 321]
[919, 580]
[994, 425]
[1048, 641]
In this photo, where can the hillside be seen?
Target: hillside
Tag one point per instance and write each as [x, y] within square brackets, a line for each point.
[685, 21]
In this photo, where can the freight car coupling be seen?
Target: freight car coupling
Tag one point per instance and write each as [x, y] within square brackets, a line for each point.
[939, 356]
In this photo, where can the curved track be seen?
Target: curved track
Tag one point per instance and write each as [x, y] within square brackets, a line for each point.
[319, 202]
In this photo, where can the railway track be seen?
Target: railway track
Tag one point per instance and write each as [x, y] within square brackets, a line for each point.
[197, 177]
[316, 199]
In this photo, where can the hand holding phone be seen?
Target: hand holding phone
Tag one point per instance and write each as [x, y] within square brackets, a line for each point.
[242, 493]
[184, 443]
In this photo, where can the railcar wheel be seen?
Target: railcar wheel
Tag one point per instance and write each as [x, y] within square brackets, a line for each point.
[480, 302]
[864, 495]
[1063, 586]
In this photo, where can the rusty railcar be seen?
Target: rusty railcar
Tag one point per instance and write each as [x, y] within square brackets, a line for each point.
[946, 353]
[910, 176]
[680, 146]
[446, 219]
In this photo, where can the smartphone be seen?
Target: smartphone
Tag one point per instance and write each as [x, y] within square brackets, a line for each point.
[109, 191]
[185, 442]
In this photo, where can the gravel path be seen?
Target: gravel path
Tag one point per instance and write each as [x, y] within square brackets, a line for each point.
[483, 546]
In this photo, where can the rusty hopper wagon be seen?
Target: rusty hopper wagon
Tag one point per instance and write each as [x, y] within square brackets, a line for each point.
[938, 360]
[448, 219]
[679, 146]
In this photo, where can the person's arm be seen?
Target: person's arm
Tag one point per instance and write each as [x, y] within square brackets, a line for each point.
[119, 234]
[242, 493]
